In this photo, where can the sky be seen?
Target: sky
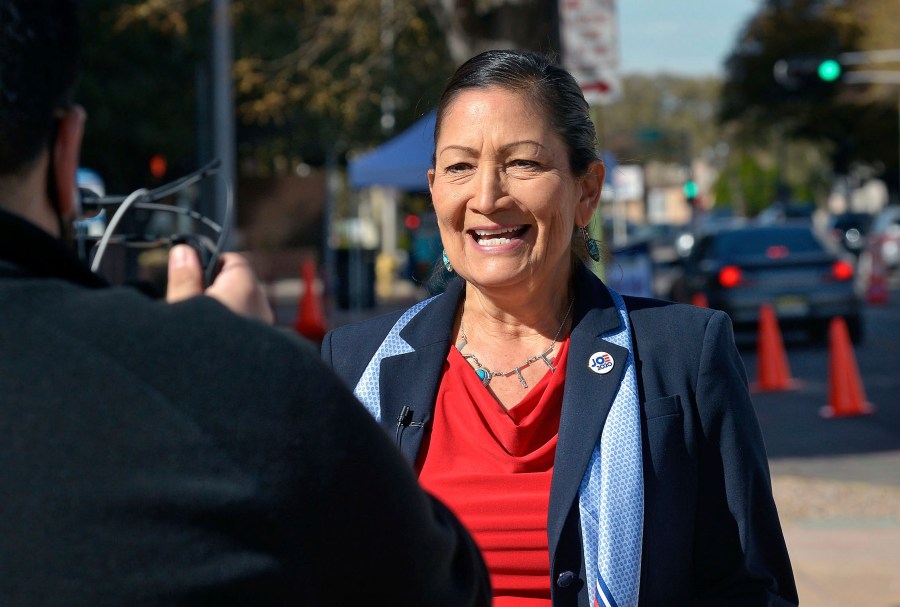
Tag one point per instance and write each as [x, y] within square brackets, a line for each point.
[683, 37]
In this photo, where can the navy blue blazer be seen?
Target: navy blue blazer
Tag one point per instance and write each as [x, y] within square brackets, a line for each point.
[711, 530]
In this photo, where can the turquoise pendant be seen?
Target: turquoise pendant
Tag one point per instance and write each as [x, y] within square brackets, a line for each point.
[484, 376]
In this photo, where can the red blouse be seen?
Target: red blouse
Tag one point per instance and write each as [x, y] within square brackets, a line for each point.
[493, 467]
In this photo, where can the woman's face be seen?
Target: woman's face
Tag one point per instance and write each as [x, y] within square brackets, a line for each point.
[505, 198]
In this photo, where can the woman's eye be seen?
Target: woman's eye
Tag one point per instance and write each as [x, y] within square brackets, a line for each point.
[458, 167]
[521, 163]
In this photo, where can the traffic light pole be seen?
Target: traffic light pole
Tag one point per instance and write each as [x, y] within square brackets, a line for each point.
[874, 76]
[866, 57]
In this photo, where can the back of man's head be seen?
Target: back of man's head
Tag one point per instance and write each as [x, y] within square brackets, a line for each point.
[39, 51]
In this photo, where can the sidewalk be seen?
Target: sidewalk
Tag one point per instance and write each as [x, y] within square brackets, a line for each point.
[843, 535]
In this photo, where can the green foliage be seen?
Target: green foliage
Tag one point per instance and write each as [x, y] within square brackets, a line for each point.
[781, 31]
[752, 179]
[308, 76]
[660, 118]
[840, 119]
[746, 182]
[138, 88]
[323, 69]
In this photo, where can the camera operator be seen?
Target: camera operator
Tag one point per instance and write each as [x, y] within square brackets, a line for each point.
[160, 453]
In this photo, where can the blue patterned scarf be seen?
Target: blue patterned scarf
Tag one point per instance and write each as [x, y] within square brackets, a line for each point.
[611, 495]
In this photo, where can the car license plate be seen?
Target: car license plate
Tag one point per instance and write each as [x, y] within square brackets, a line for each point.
[791, 306]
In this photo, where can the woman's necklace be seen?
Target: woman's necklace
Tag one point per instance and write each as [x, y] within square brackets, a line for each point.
[485, 374]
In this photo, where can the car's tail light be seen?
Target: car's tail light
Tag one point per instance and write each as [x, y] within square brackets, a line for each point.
[841, 270]
[730, 276]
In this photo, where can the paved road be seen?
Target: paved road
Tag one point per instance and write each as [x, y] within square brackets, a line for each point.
[837, 481]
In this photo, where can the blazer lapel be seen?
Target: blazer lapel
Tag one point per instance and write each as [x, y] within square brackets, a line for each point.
[587, 398]
[409, 382]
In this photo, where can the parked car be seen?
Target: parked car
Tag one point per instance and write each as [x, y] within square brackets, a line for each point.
[850, 230]
[885, 236]
[805, 279]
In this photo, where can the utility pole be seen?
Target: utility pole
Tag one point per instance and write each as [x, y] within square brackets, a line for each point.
[223, 115]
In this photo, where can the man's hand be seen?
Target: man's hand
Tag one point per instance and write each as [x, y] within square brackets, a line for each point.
[236, 286]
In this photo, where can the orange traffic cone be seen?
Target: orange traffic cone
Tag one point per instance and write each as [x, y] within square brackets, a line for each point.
[699, 299]
[846, 396]
[310, 320]
[772, 371]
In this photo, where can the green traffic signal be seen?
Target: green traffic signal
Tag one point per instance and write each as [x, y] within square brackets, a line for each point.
[829, 70]
[808, 73]
[691, 189]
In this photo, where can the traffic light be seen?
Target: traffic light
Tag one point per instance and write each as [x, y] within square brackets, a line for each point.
[807, 73]
[412, 221]
[829, 70]
[158, 166]
[690, 191]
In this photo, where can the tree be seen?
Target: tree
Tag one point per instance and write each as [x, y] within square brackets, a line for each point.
[307, 75]
[848, 122]
[660, 118]
[472, 26]
[138, 88]
[752, 179]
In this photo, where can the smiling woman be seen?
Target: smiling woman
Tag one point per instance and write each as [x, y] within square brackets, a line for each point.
[507, 201]
[601, 449]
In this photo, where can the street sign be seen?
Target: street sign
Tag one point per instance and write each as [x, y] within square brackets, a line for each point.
[590, 45]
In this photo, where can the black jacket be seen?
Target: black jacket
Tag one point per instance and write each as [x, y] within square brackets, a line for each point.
[711, 531]
[156, 454]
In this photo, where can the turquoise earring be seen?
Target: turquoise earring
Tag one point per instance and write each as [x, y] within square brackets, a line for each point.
[593, 246]
[446, 261]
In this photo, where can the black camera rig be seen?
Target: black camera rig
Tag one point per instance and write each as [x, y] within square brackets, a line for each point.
[132, 213]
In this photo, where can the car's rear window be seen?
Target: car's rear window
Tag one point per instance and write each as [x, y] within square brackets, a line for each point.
[766, 242]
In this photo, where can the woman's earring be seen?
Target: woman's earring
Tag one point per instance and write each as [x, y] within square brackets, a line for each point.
[593, 246]
[446, 261]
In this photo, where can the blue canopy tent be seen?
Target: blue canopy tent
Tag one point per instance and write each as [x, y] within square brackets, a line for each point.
[403, 161]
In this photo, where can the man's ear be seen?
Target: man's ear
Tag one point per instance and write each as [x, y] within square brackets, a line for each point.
[66, 154]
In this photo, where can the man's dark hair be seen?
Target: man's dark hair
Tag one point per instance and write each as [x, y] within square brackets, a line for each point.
[39, 53]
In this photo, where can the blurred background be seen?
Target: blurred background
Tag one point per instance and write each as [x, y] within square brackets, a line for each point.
[319, 111]
[753, 156]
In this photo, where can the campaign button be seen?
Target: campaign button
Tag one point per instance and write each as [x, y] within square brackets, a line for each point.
[601, 362]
